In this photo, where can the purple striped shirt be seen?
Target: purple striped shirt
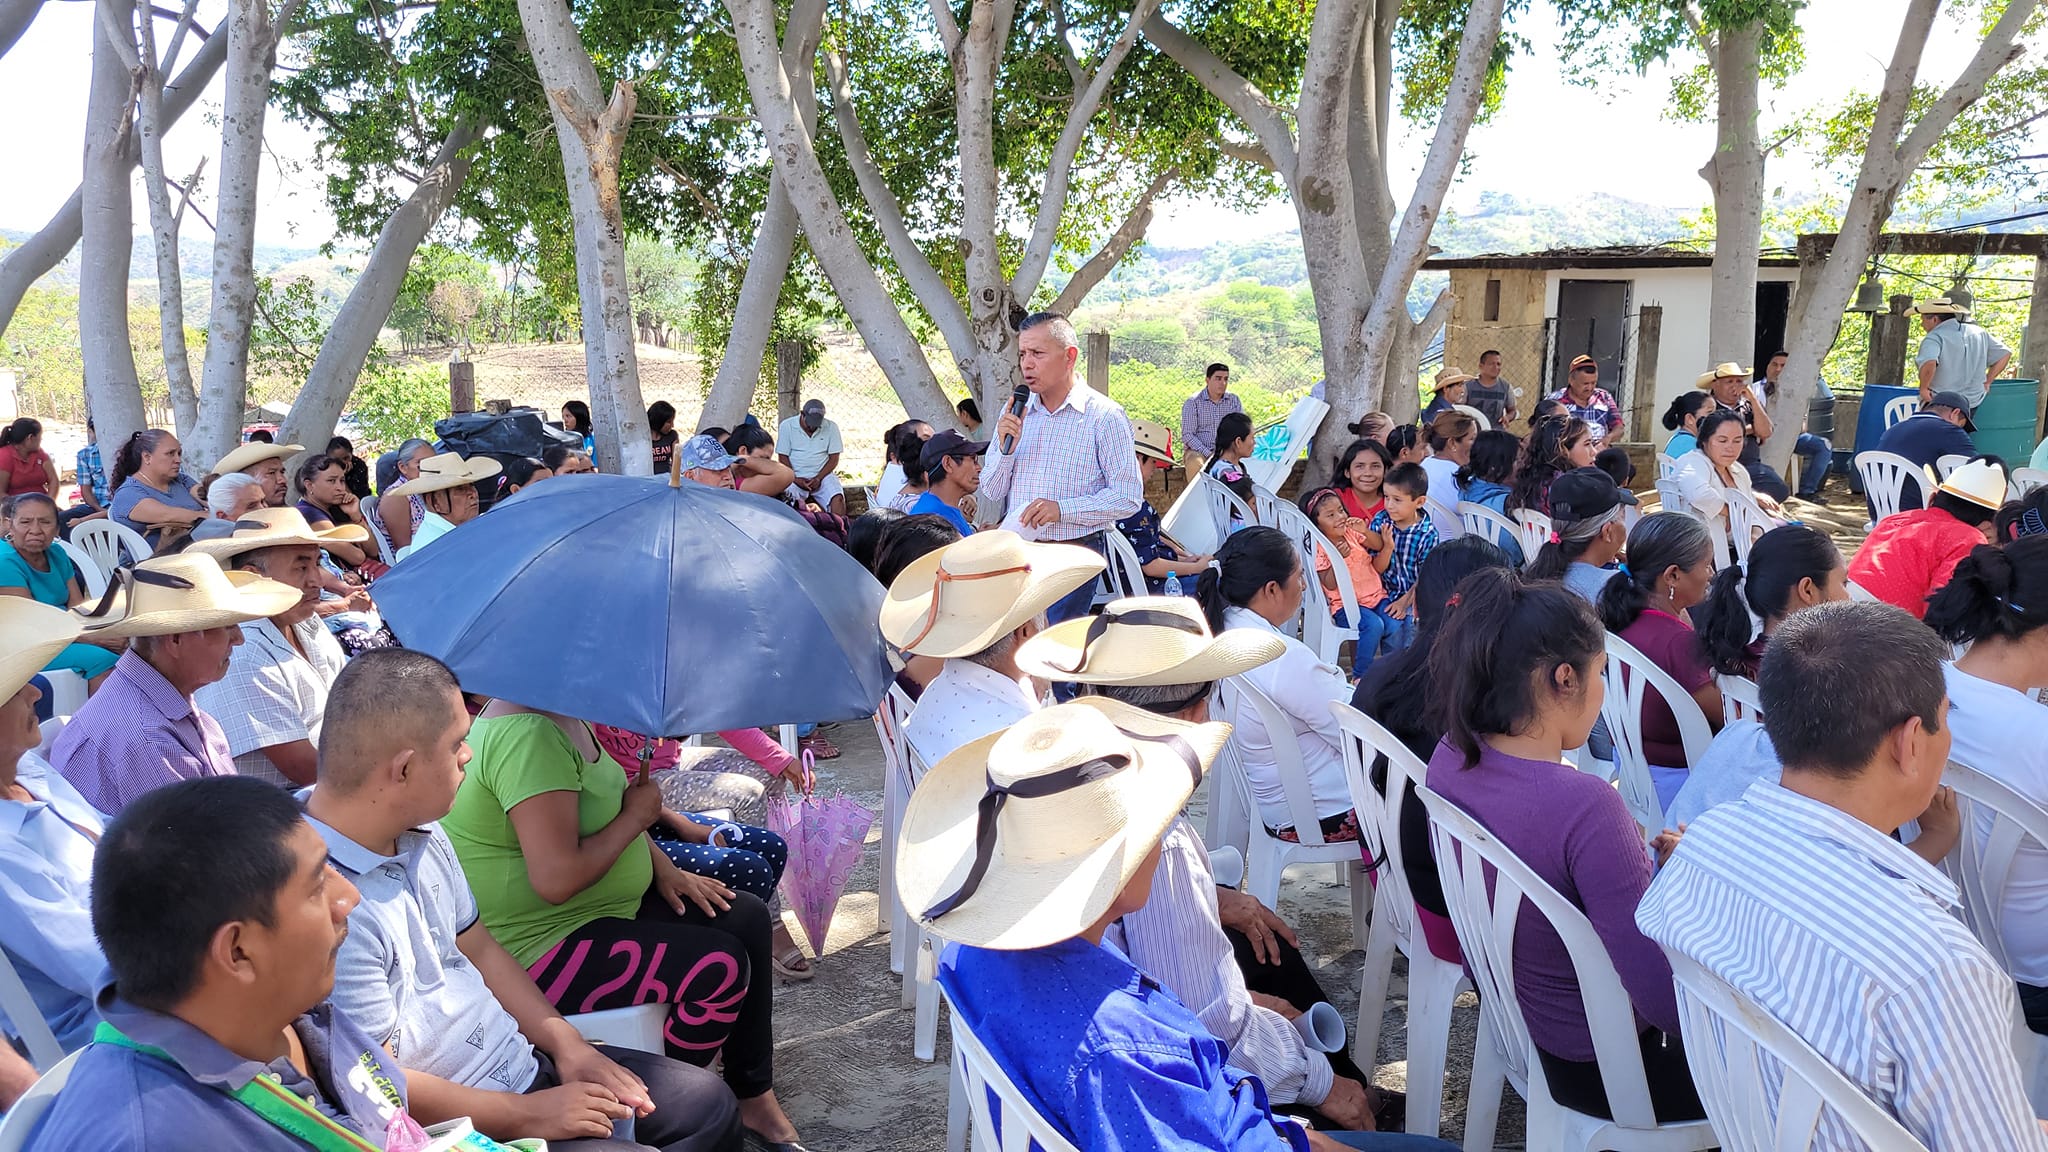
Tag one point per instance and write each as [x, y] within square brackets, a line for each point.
[137, 733]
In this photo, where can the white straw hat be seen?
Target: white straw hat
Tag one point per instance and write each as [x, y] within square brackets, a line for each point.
[31, 633]
[1024, 838]
[1145, 640]
[1151, 439]
[1940, 306]
[964, 597]
[253, 453]
[275, 528]
[1979, 481]
[448, 470]
[187, 592]
[1448, 376]
[1726, 368]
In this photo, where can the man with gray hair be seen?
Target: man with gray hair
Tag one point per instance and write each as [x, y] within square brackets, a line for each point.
[228, 499]
[1068, 467]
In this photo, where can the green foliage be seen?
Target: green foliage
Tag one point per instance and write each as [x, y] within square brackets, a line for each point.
[1606, 38]
[798, 317]
[661, 279]
[41, 346]
[395, 402]
[1154, 339]
[287, 332]
[444, 293]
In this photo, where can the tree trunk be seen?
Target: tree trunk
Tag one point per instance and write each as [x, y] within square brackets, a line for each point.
[15, 17]
[1402, 400]
[24, 265]
[1736, 175]
[112, 392]
[592, 136]
[356, 326]
[163, 222]
[977, 58]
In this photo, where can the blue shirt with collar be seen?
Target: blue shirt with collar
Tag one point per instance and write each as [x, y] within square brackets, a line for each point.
[122, 1100]
[46, 847]
[1107, 1056]
[930, 504]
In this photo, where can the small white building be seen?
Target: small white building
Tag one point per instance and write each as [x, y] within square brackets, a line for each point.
[1541, 309]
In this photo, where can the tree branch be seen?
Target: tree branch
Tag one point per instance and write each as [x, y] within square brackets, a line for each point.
[1240, 95]
[1998, 49]
[949, 29]
[1114, 249]
[1247, 152]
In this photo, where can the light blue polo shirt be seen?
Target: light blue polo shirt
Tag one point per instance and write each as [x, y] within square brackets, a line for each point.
[400, 976]
[1963, 354]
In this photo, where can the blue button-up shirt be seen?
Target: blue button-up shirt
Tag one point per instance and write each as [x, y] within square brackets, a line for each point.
[1199, 417]
[1108, 1057]
[46, 848]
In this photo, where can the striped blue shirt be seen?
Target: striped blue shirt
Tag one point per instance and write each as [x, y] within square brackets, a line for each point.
[1849, 939]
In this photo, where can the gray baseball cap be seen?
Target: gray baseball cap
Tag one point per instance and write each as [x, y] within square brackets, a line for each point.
[702, 451]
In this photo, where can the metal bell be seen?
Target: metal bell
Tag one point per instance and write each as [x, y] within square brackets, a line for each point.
[1869, 297]
[1961, 296]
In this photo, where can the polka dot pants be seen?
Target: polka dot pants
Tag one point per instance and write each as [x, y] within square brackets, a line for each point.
[752, 864]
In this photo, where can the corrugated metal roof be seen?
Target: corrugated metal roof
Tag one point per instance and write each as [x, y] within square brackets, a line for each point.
[1614, 256]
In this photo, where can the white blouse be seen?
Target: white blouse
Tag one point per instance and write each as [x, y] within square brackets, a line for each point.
[1700, 483]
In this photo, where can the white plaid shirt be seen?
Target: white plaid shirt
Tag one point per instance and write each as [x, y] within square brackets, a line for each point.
[271, 694]
[1081, 456]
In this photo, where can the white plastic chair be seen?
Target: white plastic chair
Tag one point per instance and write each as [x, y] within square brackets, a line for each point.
[1949, 463]
[89, 571]
[897, 784]
[1125, 576]
[1318, 630]
[1268, 502]
[110, 544]
[1534, 529]
[51, 729]
[2025, 480]
[1859, 592]
[1012, 1125]
[1885, 475]
[1739, 699]
[639, 1027]
[20, 1008]
[1669, 498]
[1433, 984]
[1487, 886]
[921, 948]
[1763, 1085]
[1981, 866]
[1630, 677]
[1448, 522]
[1479, 520]
[1899, 407]
[1268, 856]
[21, 1120]
[67, 691]
[1738, 527]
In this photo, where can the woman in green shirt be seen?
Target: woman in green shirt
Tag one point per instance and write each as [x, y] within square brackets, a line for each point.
[553, 837]
[33, 567]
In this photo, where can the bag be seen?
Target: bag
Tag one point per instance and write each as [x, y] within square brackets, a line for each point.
[520, 432]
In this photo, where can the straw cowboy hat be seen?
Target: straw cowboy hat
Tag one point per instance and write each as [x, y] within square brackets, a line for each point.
[167, 595]
[1152, 440]
[253, 453]
[964, 597]
[1449, 376]
[1940, 306]
[31, 633]
[1023, 838]
[1145, 640]
[276, 528]
[449, 470]
[1719, 371]
[1979, 481]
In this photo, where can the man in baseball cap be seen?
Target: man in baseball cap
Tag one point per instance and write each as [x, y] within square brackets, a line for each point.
[952, 468]
[705, 461]
[1940, 428]
[810, 445]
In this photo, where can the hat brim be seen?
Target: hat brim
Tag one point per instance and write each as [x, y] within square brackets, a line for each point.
[257, 598]
[1447, 382]
[254, 453]
[1030, 904]
[1939, 310]
[224, 547]
[475, 470]
[1151, 453]
[1962, 494]
[35, 632]
[1056, 569]
[1138, 660]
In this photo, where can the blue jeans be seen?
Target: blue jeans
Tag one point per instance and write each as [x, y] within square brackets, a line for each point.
[1815, 454]
[1373, 626]
[1391, 1142]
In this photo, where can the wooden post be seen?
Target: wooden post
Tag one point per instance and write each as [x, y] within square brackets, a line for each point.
[789, 379]
[1891, 334]
[1098, 362]
[1642, 402]
[2034, 343]
[461, 387]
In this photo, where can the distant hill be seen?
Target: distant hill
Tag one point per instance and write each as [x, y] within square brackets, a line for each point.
[331, 276]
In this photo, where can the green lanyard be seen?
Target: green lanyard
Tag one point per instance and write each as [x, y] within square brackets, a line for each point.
[267, 1098]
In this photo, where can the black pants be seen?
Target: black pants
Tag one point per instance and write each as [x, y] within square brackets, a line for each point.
[1673, 1098]
[1290, 980]
[2034, 1002]
[693, 1111]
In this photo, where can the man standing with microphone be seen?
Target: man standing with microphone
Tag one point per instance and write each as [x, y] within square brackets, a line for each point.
[1066, 468]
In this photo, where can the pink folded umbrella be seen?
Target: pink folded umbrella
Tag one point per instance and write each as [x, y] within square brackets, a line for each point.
[826, 835]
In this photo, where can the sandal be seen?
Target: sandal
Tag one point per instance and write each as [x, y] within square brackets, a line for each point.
[819, 747]
[756, 1140]
[786, 964]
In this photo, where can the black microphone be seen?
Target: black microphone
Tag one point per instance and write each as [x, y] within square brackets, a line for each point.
[1019, 397]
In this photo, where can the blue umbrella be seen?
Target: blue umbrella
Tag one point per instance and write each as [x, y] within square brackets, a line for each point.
[663, 610]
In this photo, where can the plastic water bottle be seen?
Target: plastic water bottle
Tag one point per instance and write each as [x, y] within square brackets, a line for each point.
[1173, 584]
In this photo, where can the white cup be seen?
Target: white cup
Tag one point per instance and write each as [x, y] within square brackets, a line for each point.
[1226, 865]
[1321, 1027]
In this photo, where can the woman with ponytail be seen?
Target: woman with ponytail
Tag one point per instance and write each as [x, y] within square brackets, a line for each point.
[150, 491]
[1556, 445]
[1257, 583]
[1790, 568]
[1515, 678]
[1997, 603]
[1670, 561]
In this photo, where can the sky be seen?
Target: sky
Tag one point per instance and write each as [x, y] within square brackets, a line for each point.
[1550, 141]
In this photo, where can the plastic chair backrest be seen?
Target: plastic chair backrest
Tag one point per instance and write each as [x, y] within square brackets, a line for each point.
[1479, 520]
[1859, 592]
[111, 545]
[1485, 915]
[1630, 677]
[2028, 479]
[1124, 576]
[1379, 815]
[1736, 1049]
[1900, 407]
[1013, 1125]
[1981, 864]
[1747, 520]
[1237, 694]
[1268, 505]
[1318, 631]
[89, 571]
[1667, 468]
[51, 729]
[1534, 528]
[1949, 463]
[639, 1027]
[1448, 523]
[20, 1008]
[21, 1119]
[1739, 699]
[1885, 475]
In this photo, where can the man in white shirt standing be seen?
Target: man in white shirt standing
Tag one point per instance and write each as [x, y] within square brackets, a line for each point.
[1798, 896]
[1956, 355]
[971, 604]
[1073, 468]
[810, 445]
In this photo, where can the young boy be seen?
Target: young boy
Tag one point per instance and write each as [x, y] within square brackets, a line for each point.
[1405, 525]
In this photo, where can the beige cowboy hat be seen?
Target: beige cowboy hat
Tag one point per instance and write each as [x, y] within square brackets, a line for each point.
[1979, 481]
[448, 470]
[253, 453]
[1152, 440]
[1940, 306]
[1448, 376]
[187, 592]
[1082, 792]
[1728, 368]
[276, 528]
[1145, 640]
[964, 597]
[31, 633]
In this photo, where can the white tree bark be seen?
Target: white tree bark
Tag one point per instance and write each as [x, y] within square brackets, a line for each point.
[15, 17]
[1114, 249]
[23, 266]
[163, 221]
[361, 318]
[113, 393]
[592, 136]
[1888, 162]
[1736, 176]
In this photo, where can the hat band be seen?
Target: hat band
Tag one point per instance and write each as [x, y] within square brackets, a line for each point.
[138, 576]
[1138, 618]
[939, 582]
[1037, 788]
